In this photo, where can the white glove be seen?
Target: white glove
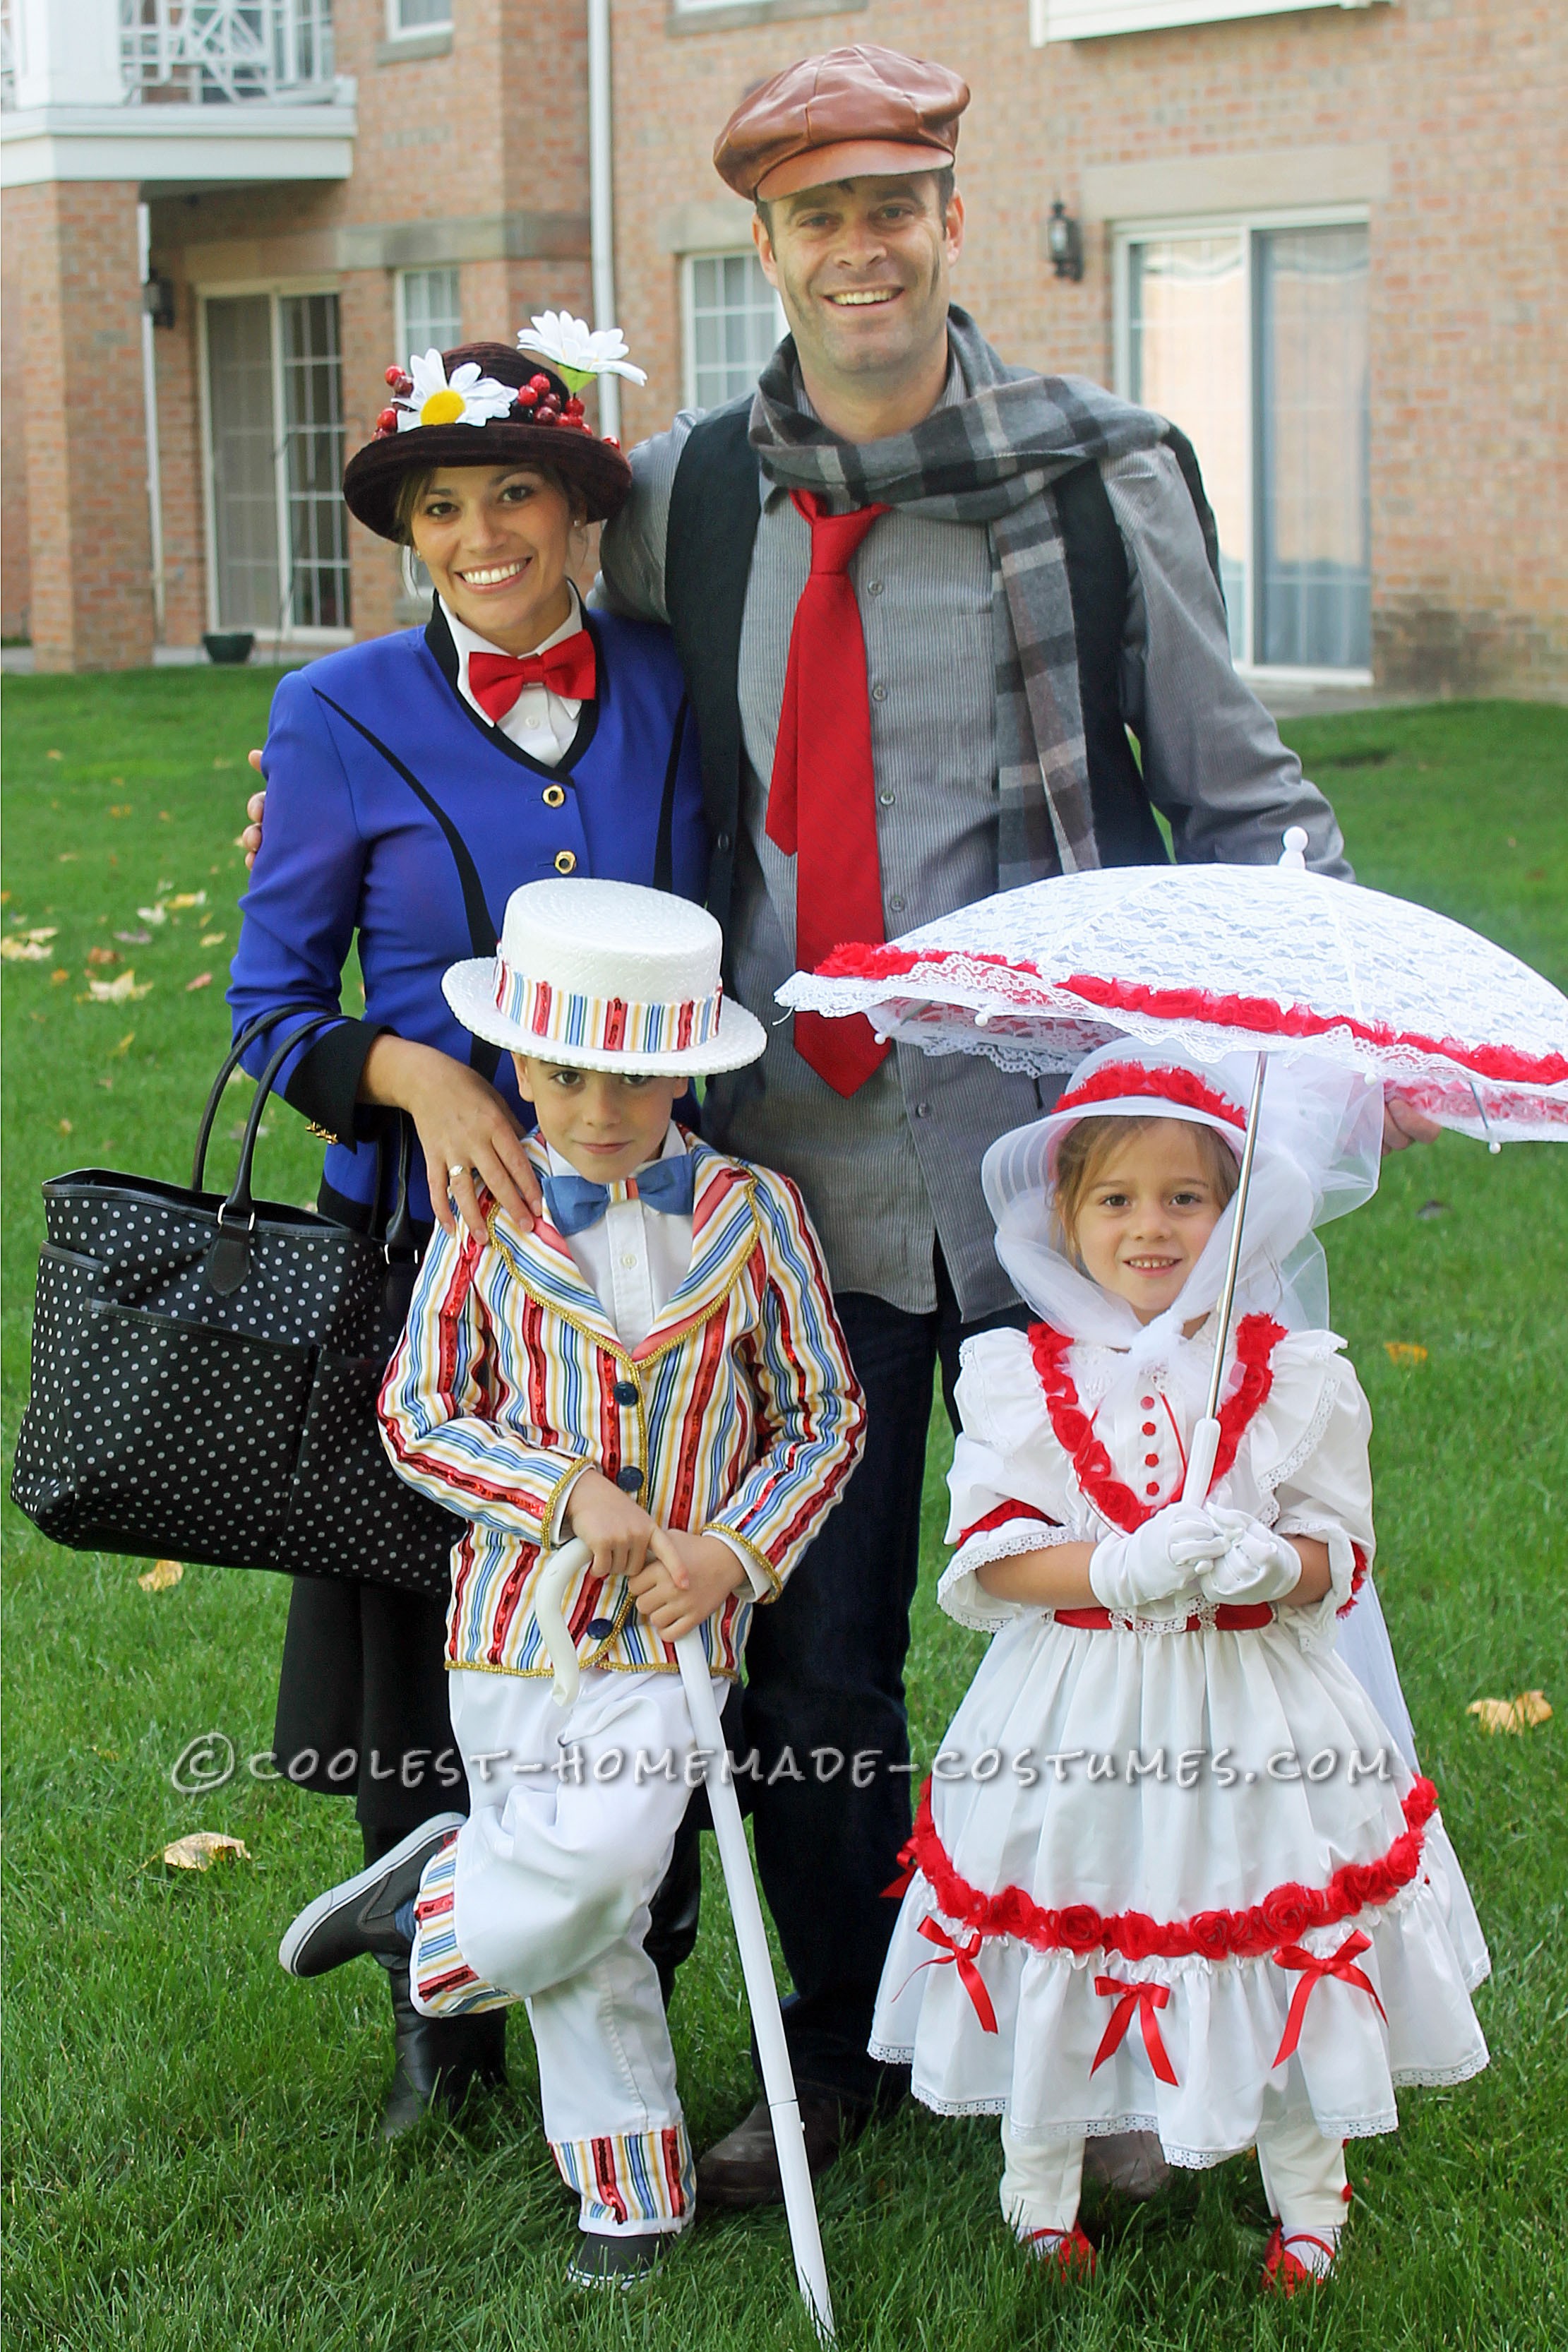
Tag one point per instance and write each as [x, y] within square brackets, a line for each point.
[1256, 1565]
[1156, 1561]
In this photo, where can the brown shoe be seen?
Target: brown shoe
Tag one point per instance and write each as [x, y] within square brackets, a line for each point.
[1129, 2162]
[742, 2168]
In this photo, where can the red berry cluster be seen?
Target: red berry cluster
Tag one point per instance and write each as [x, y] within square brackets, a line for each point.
[402, 385]
[538, 403]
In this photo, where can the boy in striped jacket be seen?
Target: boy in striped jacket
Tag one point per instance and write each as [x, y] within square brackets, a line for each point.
[655, 1368]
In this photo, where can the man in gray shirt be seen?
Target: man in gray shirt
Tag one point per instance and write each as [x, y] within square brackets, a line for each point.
[998, 724]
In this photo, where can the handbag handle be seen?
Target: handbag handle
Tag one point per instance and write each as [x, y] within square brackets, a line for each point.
[242, 1045]
[239, 1206]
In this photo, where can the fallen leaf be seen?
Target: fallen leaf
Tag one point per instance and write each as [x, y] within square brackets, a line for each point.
[163, 817]
[119, 992]
[44, 932]
[101, 955]
[162, 1575]
[213, 939]
[1520, 1714]
[65, 1126]
[152, 915]
[1405, 1351]
[222, 763]
[23, 950]
[202, 980]
[123, 810]
[4, 898]
[59, 974]
[125, 1045]
[54, 755]
[201, 1848]
[134, 938]
[107, 1085]
[188, 898]
[68, 858]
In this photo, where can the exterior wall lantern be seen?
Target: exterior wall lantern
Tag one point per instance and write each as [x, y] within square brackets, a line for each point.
[1064, 242]
[157, 299]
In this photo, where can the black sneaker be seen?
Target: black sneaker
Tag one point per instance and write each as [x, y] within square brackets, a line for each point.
[603, 2260]
[358, 1916]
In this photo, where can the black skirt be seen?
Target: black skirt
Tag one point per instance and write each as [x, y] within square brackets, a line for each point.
[362, 1709]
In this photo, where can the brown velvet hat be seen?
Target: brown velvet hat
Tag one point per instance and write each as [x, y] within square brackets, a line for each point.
[848, 114]
[544, 427]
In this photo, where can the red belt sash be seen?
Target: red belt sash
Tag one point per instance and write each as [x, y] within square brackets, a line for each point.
[1231, 1617]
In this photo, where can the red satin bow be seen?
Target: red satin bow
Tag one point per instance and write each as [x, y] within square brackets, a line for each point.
[969, 1976]
[1146, 1999]
[1341, 1964]
[567, 670]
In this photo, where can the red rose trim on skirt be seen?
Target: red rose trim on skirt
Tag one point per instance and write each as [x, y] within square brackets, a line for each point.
[1285, 1914]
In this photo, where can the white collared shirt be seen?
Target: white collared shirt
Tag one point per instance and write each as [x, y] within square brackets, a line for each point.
[635, 1259]
[632, 1258]
[540, 723]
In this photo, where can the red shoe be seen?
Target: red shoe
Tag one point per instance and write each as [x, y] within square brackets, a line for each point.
[1069, 2250]
[1284, 2271]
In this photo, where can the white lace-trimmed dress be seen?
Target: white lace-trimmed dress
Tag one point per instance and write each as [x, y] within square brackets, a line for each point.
[1088, 1945]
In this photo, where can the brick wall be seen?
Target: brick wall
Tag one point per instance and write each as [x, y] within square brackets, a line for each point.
[88, 584]
[1445, 108]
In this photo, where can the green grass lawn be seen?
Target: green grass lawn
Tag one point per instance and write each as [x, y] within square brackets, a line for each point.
[190, 2154]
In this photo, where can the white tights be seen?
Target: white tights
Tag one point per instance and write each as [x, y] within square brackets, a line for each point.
[1304, 2178]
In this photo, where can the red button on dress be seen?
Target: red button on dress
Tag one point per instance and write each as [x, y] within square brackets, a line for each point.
[1152, 1487]
[1147, 1404]
[1150, 1429]
[1151, 1461]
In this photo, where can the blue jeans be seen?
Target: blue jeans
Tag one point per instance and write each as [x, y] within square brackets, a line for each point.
[824, 1686]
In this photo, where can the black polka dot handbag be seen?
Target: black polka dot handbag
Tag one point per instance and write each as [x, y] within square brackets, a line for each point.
[205, 1371]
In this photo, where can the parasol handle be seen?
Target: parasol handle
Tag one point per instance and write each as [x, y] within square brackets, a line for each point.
[1201, 1460]
[762, 1992]
[1232, 1267]
[549, 1592]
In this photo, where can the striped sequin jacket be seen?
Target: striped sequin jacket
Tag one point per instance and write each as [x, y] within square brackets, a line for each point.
[739, 1409]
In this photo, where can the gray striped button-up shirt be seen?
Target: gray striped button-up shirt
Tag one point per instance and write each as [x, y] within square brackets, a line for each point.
[893, 1172]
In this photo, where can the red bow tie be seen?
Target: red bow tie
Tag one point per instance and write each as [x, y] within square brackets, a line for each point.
[495, 680]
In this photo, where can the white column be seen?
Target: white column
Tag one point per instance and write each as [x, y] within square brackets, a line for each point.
[68, 53]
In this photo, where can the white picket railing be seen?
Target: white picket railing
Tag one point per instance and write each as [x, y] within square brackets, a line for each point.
[222, 51]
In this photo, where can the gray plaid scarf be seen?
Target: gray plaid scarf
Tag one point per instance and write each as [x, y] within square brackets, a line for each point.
[989, 458]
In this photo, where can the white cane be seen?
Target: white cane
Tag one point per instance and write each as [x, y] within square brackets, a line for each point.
[756, 1961]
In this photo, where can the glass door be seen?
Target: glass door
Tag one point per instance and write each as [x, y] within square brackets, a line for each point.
[274, 419]
[1254, 339]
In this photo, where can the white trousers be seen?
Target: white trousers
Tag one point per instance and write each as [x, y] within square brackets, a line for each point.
[543, 1897]
[1304, 2178]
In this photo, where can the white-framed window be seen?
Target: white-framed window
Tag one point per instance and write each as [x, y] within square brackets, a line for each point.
[404, 17]
[1089, 20]
[1253, 335]
[732, 322]
[272, 420]
[429, 310]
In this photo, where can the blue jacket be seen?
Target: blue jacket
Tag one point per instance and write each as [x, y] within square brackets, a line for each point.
[393, 811]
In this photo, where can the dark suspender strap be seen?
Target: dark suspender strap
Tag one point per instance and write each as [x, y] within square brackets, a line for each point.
[481, 1055]
[664, 853]
[714, 508]
[1185, 456]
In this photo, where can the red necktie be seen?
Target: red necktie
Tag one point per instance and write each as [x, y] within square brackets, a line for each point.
[495, 680]
[822, 808]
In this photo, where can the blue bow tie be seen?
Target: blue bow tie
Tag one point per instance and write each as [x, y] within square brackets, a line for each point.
[574, 1201]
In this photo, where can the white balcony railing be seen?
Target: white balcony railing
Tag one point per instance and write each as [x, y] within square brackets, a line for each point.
[223, 52]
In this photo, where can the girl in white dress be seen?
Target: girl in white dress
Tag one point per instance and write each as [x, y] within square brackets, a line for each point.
[1173, 1872]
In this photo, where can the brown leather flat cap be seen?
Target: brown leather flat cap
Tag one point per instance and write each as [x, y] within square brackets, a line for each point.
[848, 114]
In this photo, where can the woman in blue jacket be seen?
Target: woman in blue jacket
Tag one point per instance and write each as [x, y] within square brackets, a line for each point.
[414, 783]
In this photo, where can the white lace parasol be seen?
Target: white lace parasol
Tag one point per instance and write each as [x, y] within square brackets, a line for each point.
[1218, 960]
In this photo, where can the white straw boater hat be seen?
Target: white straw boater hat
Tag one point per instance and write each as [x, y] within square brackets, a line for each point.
[607, 976]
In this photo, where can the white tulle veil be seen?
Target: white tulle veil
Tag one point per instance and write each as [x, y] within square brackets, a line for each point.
[1319, 1142]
